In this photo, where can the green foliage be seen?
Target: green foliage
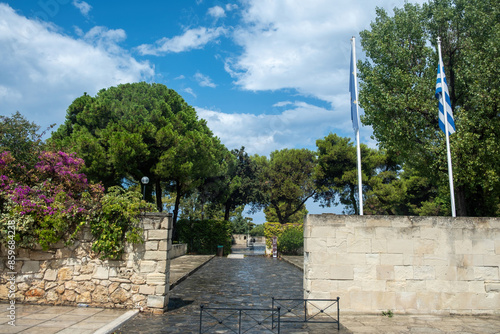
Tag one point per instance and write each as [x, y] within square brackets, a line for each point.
[397, 94]
[291, 241]
[337, 175]
[203, 236]
[388, 313]
[257, 231]
[241, 225]
[133, 130]
[117, 222]
[286, 181]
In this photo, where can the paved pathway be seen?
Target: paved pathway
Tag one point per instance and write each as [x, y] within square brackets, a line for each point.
[252, 281]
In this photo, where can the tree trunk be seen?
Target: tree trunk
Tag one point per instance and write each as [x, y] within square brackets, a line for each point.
[178, 196]
[460, 202]
[227, 210]
[159, 203]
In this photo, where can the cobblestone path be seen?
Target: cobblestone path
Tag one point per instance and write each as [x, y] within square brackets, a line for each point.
[223, 282]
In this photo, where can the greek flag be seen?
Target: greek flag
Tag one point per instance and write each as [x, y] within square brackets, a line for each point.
[442, 86]
[354, 91]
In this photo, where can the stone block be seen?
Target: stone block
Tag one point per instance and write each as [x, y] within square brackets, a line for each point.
[385, 272]
[424, 273]
[463, 246]
[365, 273]
[486, 273]
[148, 266]
[361, 301]
[314, 244]
[358, 245]
[157, 301]
[391, 259]
[436, 260]
[155, 255]
[151, 245]
[42, 256]
[101, 273]
[50, 275]
[156, 279]
[372, 285]
[424, 246]
[336, 246]
[383, 300]
[497, 247]
[356, 259]
[475, 286]
[400, 246]
[448, 273]
[163, 245]
[322, 232]
[30, 267]
[406, 301]
[341, 272]
[379, 246]
[492, 286]
[161, 290]
[157, 235]
[65, 274]
[483, 246]
[403, 272]
[147, 289]
[82, 278]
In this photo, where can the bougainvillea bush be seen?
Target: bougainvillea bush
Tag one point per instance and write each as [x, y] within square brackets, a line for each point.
[52, 201]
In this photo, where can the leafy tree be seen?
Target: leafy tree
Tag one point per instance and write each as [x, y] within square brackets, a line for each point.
[239, 184]
[337, 171]
[257, 231]
[21, 138]
[296, 218]
[241, 225]
[286, 181]
[133, 130]
[397, 94]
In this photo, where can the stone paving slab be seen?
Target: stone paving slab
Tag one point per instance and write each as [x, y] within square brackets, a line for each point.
[184, 266]
[297, 261]
[43, 319]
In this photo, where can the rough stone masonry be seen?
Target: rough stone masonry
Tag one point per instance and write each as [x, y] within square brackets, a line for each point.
[74, 275]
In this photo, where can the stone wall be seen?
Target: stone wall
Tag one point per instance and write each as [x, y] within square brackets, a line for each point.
[241, 239]
[74, 275]
[178, 250]
[438, 265]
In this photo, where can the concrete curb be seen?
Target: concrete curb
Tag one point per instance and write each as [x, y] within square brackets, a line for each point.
[294, 263]
[118, 322]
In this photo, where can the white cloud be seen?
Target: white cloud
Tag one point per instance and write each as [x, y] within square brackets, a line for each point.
[190, 91]
[231, 7]
[191, 39]
[216, 12]
[299, 125]
[43, 70]
[204, 81]
[298, 44]
[82, 6]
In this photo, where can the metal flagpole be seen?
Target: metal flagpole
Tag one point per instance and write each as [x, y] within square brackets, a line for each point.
[445, 113]
[355, 120]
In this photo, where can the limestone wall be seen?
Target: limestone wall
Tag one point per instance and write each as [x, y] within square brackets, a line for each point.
[428, 265]
[74, 275]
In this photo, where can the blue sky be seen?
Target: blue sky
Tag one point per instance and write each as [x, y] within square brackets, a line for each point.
[265, 74]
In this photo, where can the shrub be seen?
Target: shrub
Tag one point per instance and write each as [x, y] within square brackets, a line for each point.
[203, 236]
[257, 231]
[276, 230]
[52, 201]
[291, 241]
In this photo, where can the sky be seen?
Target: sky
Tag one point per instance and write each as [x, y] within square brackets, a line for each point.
[264, 74]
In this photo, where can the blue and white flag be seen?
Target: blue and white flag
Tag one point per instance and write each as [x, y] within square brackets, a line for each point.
[446, 109]
[353, 89]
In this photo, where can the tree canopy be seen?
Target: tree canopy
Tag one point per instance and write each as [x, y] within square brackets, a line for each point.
[140, 129]
[397, 93]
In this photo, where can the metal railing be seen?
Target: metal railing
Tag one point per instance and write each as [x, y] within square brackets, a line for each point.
[239, 320]
[308, 310]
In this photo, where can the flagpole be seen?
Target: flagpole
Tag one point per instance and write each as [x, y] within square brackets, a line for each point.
[358, 149]
[445, 113]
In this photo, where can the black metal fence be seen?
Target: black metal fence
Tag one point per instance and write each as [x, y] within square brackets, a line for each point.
[239, 320]
[268, 320]
[308, 310]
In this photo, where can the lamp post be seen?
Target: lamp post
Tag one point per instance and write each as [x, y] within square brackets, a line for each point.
[144, 181]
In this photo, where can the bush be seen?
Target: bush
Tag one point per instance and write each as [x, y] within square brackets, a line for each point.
[257, 231]
[291, 241]
[203, 236]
